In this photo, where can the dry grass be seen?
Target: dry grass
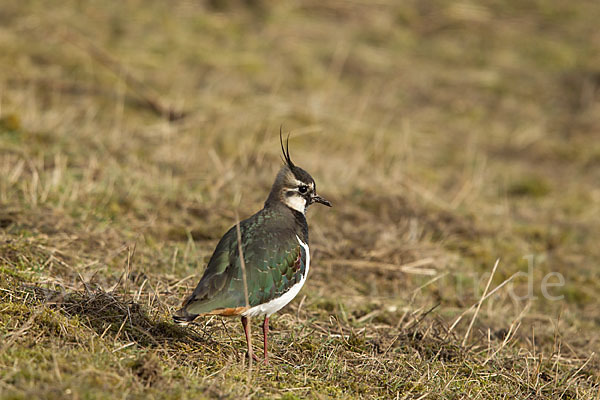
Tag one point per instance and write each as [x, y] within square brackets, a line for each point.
[446, 134]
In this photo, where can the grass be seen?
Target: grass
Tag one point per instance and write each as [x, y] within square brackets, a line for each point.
[447, 135]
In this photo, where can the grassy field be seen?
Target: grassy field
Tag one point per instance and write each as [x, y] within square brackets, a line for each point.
[447, 135]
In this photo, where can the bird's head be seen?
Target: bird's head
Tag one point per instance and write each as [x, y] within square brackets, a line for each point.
[293, 186]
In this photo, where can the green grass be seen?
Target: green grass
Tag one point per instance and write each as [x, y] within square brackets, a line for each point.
[447, 135]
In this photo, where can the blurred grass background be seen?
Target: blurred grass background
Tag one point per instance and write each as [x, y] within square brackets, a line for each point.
[447, 134]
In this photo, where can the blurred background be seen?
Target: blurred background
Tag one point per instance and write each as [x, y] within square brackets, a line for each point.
[447, 134]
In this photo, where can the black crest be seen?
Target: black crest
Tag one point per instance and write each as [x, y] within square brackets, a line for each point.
[286, 150]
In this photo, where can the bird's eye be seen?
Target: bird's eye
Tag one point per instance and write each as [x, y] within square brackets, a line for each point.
[303, 189]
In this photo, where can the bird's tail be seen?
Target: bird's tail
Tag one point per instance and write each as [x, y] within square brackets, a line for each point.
[182, 317]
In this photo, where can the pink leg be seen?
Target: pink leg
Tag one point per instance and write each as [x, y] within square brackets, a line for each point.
[265, 334]
[246, 325]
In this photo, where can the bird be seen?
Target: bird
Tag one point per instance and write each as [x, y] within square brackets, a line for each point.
[260, 264]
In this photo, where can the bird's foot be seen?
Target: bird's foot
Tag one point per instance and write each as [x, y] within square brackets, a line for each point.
[254, 357]
[258, 360]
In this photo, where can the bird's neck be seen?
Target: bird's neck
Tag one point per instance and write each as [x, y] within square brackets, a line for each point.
[292, 217]
[302, 225]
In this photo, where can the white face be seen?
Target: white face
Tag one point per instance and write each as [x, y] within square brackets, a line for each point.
[295, 196]
[296, 202]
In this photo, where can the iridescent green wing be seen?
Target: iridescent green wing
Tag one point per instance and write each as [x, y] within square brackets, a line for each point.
[274, 259]
[216, 288]
[274, 263]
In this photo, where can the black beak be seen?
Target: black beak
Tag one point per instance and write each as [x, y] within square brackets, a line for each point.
[318, 199]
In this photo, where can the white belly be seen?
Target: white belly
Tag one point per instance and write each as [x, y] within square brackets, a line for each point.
[277, 304]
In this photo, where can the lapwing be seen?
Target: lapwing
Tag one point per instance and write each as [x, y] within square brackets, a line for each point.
[274, 244]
